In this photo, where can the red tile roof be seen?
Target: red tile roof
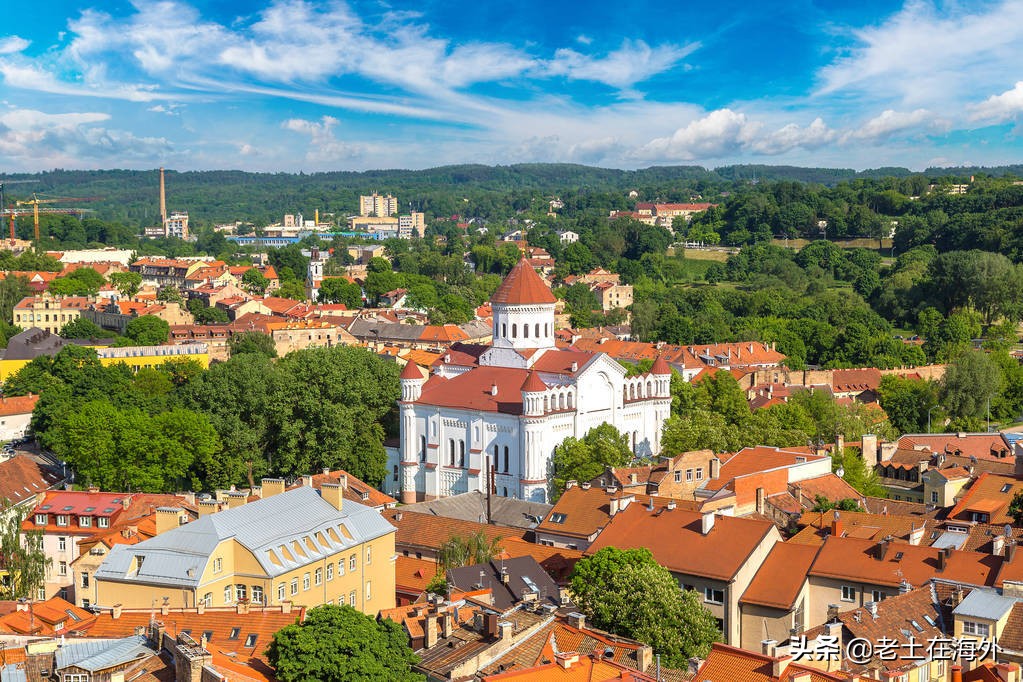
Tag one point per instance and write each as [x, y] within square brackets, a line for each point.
[474, 390]
[51, 617]
[986, 496]
[522, 286]
[778, 582]
[533, 383]
[22, 478]
[754, 460]
[677, 542]
[731, 664]
[990, 446]
[855, 380]
[410, 371]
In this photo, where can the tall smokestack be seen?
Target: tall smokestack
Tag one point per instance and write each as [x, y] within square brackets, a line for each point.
[163, 199]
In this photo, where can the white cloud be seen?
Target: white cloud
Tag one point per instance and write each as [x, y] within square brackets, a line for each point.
[718, 134]
[921, 54]
[323, 145]
[792, 136]
[12, 44]
[999, 108]
[38, 140]
[634, 62]
[890, 122]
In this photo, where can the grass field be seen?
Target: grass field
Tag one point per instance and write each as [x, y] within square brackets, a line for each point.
[797, 244]
[705, 255]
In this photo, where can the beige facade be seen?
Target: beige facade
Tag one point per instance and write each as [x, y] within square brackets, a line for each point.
[49, 313]
[941, 491]
[376, 205]
[760, 622]
[846, 594]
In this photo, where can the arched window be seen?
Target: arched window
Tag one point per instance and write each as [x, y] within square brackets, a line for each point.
[395, 473]
[493, 462]
[547, 329]
[561, 401]
[632, 391]
[514, 329]
[546, 404]
[525, 331]
[422, 448]
[504, 491]
[451, 451]
[504, 329]
[570, 400]
[461, 453]
[537, 330]
[649, 389]
[507, 468]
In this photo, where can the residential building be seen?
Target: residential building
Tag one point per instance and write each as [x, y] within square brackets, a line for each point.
[376, 205]
[987, 500]
[688, 361]
[739, 665]
[613, 296]
[49, 313]
[116, 315]
[718, 556]
[24, 477]
[776, 602]
[176, 225]
[513, 404]
[300, 546]
[482, 508]
[167, 272]
[665, 214]
[16, 416]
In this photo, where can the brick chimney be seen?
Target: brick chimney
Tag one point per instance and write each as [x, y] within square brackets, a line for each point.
[167, 518]
[576, 620]
[836, 525]
[207, 507]
[236, 499]
[333, 493]
[271, 487]
[431, 631]
[706, 522]
[957, 673]
[115, 611]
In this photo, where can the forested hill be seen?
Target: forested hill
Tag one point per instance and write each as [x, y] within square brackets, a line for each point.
[212, 196]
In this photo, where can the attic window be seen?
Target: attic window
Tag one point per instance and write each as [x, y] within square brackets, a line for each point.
[234, 633]
[558, 518]
[90, 509]
[899, 555]
[208, 634]
[930, 621]
[916, 626]
[1007, 487]
[250, 641]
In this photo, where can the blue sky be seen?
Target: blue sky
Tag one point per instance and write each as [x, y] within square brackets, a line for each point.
[294, 85]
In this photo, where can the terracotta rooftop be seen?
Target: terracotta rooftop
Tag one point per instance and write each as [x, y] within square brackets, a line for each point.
[990, 494]
[817, 526]
[354, 489]
[20, 404]
[54, 616]
[778, 582]
[829, 486]
[847, 558]
[475, 390]
[569, 666]
[429, 532]
[523, 286]
[855, 380]
[674, 537]
[583, 510]
[756, 459]
[979, 445]
[22, 478]
[738, 665]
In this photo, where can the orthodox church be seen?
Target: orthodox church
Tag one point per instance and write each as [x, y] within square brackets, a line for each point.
[506, 406]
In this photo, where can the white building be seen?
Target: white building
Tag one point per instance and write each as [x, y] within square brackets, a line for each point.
[176, 225]
[314, 275]
[510, 405]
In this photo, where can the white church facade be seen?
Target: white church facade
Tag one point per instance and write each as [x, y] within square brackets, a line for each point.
[507, 406]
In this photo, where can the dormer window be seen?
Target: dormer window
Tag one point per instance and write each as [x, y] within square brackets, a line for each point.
[85, 521]
[103, 522]
[41, 519]
[62, 519]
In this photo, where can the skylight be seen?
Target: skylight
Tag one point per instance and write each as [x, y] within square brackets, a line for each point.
[1007, 487]
[916, 626]
[930, 621]
[558, 518]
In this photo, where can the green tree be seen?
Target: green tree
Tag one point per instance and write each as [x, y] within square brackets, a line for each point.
[128, 283]
[254, 281]
[340, 290]
[628, 593]
[22, 557]
[147, 330]
[1016, 508]
[909, 403]
[170, 295]
[855, 472]
[971, 381]
[81, 328]
[252, 342]
[582, 459]
[340, 644]
[476, 548]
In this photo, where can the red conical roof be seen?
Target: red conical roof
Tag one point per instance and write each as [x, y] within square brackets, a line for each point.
[523, 286]
[411, 371]
[533, 383]
[660, 366]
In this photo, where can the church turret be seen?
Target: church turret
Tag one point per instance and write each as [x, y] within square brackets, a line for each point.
[523, 308]
[411, 381]
[532, 395]
[661, 372]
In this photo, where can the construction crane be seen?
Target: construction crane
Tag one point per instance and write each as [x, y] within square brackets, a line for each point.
[36, 200]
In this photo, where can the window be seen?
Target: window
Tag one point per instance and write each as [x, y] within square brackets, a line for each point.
[330, 571]
[61, 544]
[62, 568]
[341, 567]
[976, 517]
[422, 448]
[678, 477]
[305, 582]
[62, 519]
[84, 521]
[234, 633]
[294, 586]
[699, 473]
[352, 562]
[934, 497]
[689, 475]
[558, 518]
[461, 453]
[318, 576]
[41, 594]
[218, 565]
[369, 590]
[241, 592]
[207, 599]
[974, 628]
[250, 641]
[369, 555]
[451, 451]
[84, 677]
[41, 519]
[228, 593]
[507, 468]
[351, 598]
[257, 594]
[85, 580]
[712, 596]
[103, 522]
[848, 593]
[280, 592]
[876, 595]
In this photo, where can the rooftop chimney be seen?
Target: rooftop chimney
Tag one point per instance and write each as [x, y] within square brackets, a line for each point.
[943, 555]
[836, 525]
[333, 493]
[576, 620]
[271, 487]
[431, 631]
[997, 545]
[882, 548]
[167, 518]
[706, 522]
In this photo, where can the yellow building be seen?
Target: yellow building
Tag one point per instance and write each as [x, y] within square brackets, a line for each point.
[136, 357]
[49, 313]
[303, 546]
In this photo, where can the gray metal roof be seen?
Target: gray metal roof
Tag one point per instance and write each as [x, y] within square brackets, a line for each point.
[12, 673]
[505, 511]
[950, 539]
[986, 604]
[100, 654]
[179, 556]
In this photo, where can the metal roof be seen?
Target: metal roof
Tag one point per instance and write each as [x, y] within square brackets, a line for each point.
[12, 673]
[179, 556]
[96, 655]
[986, 604]
[950, 539]
[472, 506]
